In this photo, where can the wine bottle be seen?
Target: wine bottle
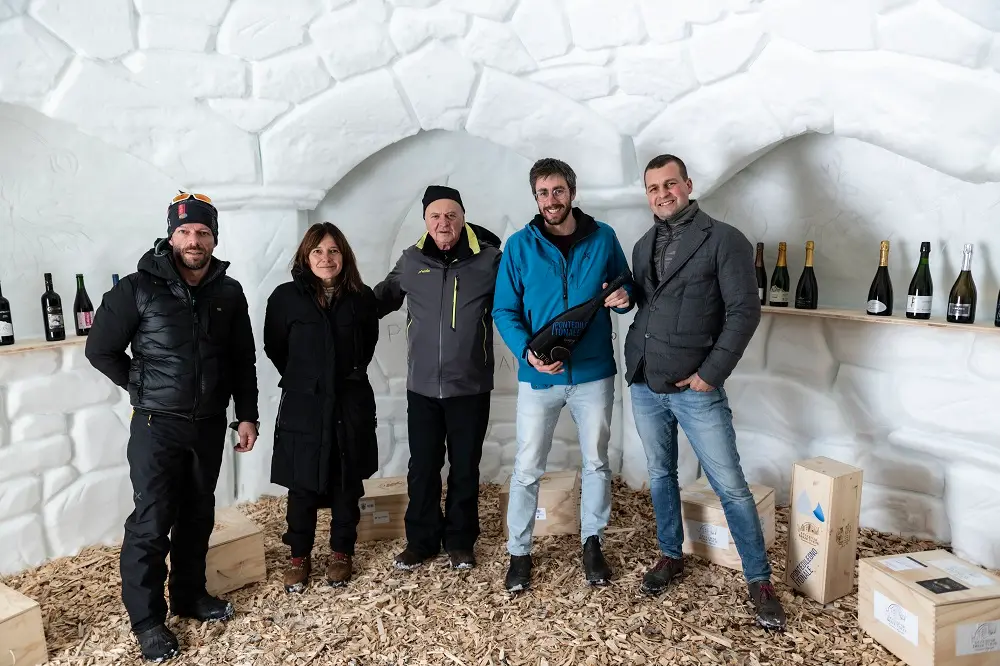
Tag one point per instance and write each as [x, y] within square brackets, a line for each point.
[962, 299]
[6, 322]
[758, 264]
[918, 296]
[880, 293]
[780, 282]
[996, 320]
[83, 309]
[807, 291]
[52, 313]
[114, 279]
[556, 339]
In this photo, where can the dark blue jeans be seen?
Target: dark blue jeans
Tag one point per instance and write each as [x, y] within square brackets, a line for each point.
[708, 423]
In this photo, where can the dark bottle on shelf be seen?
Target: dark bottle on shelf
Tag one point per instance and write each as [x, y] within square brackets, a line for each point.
[880, 293]
[6, 322]
[781, 284]
[996, 320]
[83, 309]
[807, 291]
[962, 299]
[758, 264]
[114, 279]
[52, 313]
[918, 296]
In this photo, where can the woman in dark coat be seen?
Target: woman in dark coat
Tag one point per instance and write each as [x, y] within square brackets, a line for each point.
[320, 331]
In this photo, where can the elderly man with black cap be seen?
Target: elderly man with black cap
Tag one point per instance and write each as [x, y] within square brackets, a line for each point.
[192, 350]
[447, 279]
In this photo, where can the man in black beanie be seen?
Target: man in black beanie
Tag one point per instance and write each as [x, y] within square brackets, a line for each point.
[192, 350]
[447, 278]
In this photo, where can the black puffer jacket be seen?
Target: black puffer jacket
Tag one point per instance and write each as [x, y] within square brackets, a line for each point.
[327, 404]
[192, 348]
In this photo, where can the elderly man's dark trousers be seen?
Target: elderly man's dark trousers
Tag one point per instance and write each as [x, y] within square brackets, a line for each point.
[174, 466]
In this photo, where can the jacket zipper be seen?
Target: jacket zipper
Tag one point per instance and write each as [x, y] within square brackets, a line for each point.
[197, 369]
[444, 284]
[482, 320]
[454, 303]
[565, 286]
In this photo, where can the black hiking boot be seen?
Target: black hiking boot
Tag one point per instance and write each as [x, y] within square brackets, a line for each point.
[768, 611]
[205, 609]
[462, 559]
[594, 565]
[157, 644]
[518, 573]
[658, 578]
[409, 559]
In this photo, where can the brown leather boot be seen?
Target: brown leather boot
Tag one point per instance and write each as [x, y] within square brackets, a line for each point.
[338, 569]
[297, 575]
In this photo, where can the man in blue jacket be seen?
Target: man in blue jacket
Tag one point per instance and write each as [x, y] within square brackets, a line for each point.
[562, 258]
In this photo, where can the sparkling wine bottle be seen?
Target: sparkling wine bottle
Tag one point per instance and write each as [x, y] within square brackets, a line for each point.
[556, 339]
[807, 291]
[761, 274]
[83, 309]
[52, 313]
[880, 293]
[962, 299]
[781, 284]
[918, 296]
[6, 322]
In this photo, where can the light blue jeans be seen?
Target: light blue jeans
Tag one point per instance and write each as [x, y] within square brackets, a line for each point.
[708, 423]
[590, 405]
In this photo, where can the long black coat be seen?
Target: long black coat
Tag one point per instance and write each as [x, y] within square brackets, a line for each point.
[327, 404]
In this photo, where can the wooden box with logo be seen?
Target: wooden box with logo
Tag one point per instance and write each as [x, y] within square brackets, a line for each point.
[22, 634]
[823, 528]
[235, 553]
[706, 531]
[931, 608]
[558, 509]
[383, 509]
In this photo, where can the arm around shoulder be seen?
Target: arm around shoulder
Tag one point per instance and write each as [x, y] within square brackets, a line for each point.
[244, 363]
[389, 293]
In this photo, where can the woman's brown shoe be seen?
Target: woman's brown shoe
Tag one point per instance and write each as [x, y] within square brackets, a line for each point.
[338, 569]
[297, 575]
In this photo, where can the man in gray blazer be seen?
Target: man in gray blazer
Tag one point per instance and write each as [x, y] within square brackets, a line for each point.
[698, 307]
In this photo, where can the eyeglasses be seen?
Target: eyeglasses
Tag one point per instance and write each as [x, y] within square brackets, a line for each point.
[557, 193]
[184, 196]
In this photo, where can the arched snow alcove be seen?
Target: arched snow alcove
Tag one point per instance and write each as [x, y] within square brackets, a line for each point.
[840, 122]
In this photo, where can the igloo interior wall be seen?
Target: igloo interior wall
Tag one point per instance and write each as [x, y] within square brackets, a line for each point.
[880, 125]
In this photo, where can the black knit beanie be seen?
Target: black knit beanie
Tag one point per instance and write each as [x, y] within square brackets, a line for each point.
[192, 211]
[436, 192]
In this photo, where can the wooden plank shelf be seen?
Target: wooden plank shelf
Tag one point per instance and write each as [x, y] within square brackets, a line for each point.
[35, 345]
[982, 325]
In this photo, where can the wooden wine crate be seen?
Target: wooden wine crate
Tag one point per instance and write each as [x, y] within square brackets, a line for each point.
[931, 608]
[22, 634]
[558, 509]
[383, 509]
[706, 531]
[823, 528]
[235, 553]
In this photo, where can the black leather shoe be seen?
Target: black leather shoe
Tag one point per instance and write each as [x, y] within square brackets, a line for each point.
[594, 565]
[157, 644]
[462, 559]
[518, 573]
[657, 578]
[409, 559]
[205, 609]
[768, 611]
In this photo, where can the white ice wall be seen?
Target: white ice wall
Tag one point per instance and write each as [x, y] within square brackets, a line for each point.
[270, 106]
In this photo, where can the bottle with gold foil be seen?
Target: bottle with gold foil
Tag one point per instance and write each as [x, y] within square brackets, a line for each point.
[780, 282]
[880, 293]
[807, 291]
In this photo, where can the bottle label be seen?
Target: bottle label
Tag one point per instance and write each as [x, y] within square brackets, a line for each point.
[54, 318]
[84, 320]
[760, 293]
[959, 309]
[918, 304]
[876, 306]
[778, 295]
[6, 329]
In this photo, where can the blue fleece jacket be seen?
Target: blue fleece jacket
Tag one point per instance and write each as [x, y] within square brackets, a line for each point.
[535, 283]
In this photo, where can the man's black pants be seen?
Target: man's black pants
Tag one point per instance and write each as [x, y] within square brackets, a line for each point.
[462, 422]
[174, 466]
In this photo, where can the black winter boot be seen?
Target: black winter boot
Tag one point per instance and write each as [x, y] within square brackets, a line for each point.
[157, 644]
